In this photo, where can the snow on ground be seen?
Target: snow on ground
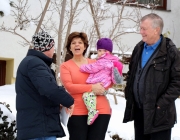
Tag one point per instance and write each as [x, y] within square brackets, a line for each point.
[124, 130]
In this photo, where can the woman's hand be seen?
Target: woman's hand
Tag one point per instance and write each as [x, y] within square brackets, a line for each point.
[98, 89]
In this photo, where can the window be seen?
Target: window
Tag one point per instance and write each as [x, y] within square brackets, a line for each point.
[162, 4]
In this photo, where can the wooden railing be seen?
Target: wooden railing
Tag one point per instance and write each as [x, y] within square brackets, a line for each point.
[115, 94]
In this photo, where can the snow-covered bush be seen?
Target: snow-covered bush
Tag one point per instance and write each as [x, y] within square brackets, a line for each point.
[7, 123]
[116, 137]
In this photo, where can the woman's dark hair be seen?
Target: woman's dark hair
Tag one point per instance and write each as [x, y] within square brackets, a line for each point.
[73, 35]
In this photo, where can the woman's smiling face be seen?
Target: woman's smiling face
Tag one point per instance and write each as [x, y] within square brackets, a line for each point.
[77, 46]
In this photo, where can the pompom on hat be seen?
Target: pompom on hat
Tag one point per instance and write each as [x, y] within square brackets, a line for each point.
[105, 43]
[42, 41]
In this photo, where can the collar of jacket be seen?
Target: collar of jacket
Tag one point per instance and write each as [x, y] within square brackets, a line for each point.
[40, 55]
[109, 57]
[162, 46]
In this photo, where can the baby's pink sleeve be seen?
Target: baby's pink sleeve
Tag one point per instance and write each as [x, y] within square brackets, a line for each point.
[119, 66]
[91, 68]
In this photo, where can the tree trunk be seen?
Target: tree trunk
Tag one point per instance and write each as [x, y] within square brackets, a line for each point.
[69, 28]
[94, 19]
[41, 19]
[60, 38]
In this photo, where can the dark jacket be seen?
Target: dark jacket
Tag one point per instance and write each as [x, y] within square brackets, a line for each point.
[162, 87]
[38, 98]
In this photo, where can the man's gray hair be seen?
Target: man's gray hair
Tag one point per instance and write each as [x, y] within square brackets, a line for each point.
[157, 21]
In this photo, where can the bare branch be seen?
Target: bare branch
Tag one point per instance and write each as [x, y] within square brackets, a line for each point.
[42, 17]
[94, 19]
[12, 31]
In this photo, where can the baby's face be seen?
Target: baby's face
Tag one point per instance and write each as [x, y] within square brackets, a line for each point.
[101, 52]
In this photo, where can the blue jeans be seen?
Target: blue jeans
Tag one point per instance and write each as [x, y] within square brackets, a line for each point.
[45, 138]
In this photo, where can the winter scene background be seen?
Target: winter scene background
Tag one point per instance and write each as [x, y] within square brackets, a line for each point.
[124, 130]
[20, 18]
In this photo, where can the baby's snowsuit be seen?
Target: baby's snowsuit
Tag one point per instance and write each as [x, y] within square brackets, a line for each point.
[100, 72]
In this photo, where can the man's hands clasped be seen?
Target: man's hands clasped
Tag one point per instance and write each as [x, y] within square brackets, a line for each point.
[68, 110]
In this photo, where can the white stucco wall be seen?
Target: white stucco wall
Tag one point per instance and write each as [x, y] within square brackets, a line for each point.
[10, 48]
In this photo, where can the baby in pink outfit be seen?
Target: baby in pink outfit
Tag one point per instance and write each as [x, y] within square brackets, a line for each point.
[100, 72]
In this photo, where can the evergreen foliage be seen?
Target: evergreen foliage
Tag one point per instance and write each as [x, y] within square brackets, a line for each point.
[1, 13]
[116, 137]
[7, 129]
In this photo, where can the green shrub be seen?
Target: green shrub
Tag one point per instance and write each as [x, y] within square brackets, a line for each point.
[116, 137]
[7, 123]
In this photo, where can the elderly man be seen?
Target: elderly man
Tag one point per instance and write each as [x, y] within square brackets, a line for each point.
[153, 82]
[38, 96]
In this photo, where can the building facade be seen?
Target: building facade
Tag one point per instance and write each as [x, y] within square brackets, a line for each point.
[12, 52]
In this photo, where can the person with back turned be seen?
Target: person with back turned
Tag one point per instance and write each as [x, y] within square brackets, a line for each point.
[38, 97]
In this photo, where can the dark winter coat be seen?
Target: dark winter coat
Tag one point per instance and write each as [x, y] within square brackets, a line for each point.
[162, 87]
[38, 98]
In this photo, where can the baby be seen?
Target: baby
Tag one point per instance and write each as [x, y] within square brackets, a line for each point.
[100, 72]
